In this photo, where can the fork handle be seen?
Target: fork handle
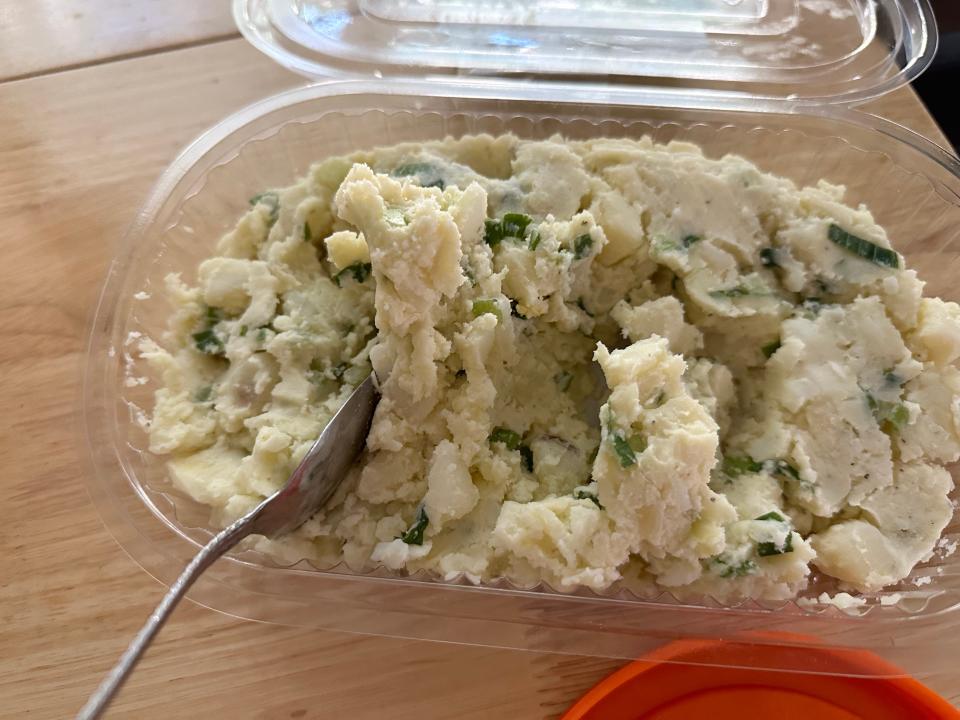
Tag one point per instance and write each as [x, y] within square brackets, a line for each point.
[221, 543]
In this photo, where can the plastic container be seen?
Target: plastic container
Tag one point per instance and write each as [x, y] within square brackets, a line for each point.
[913, 626]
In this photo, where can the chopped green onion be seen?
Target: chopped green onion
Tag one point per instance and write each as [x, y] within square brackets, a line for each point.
[307, 235]
[637, 442]
[772, 515]
[736, 465]
[268, 198]
[407, 169]
[492, 232]
[271, 200]
[512, 441]
[863, 248]
[213, 315]
[506, 437]
[510, 225]
[243, 330]
[782, 468]
[585, 495]
[483, 307]
[892, 416]
[768, 548]
[771, 347]
[731, 292]
[427, 175]
[746, 567]
[359, 271]
[534, 240]
[625, 453]
[899, 416]
[414, 535]
[664, 245]
[515, 224]
[208, 342]
[582, 245]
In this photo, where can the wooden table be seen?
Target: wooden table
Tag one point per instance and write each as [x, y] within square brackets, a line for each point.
[97, 112]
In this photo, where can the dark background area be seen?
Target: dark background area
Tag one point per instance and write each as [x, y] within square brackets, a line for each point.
[938, 86]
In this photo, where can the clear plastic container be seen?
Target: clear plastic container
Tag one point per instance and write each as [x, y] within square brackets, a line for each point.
[914, 626]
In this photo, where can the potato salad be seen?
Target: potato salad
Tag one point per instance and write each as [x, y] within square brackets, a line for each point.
[603, 363]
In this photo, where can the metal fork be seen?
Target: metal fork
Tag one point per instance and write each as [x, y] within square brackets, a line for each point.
[309, 488]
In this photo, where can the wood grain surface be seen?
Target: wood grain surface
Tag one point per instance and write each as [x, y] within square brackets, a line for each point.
[39, 36]
[78, 151]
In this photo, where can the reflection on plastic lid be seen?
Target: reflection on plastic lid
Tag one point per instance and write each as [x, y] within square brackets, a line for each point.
[828, 50]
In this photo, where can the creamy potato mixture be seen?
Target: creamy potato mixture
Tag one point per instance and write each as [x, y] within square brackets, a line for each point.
[603, 361]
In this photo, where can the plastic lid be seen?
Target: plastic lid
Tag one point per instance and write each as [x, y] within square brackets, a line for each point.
[803, 50]
[664, 687]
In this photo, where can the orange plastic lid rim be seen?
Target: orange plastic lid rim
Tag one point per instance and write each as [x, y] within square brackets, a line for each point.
[706, 679]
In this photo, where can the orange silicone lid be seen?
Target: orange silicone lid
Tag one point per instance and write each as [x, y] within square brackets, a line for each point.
[691, 679]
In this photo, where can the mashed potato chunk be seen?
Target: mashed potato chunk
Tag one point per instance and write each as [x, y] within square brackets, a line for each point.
[603, 362]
